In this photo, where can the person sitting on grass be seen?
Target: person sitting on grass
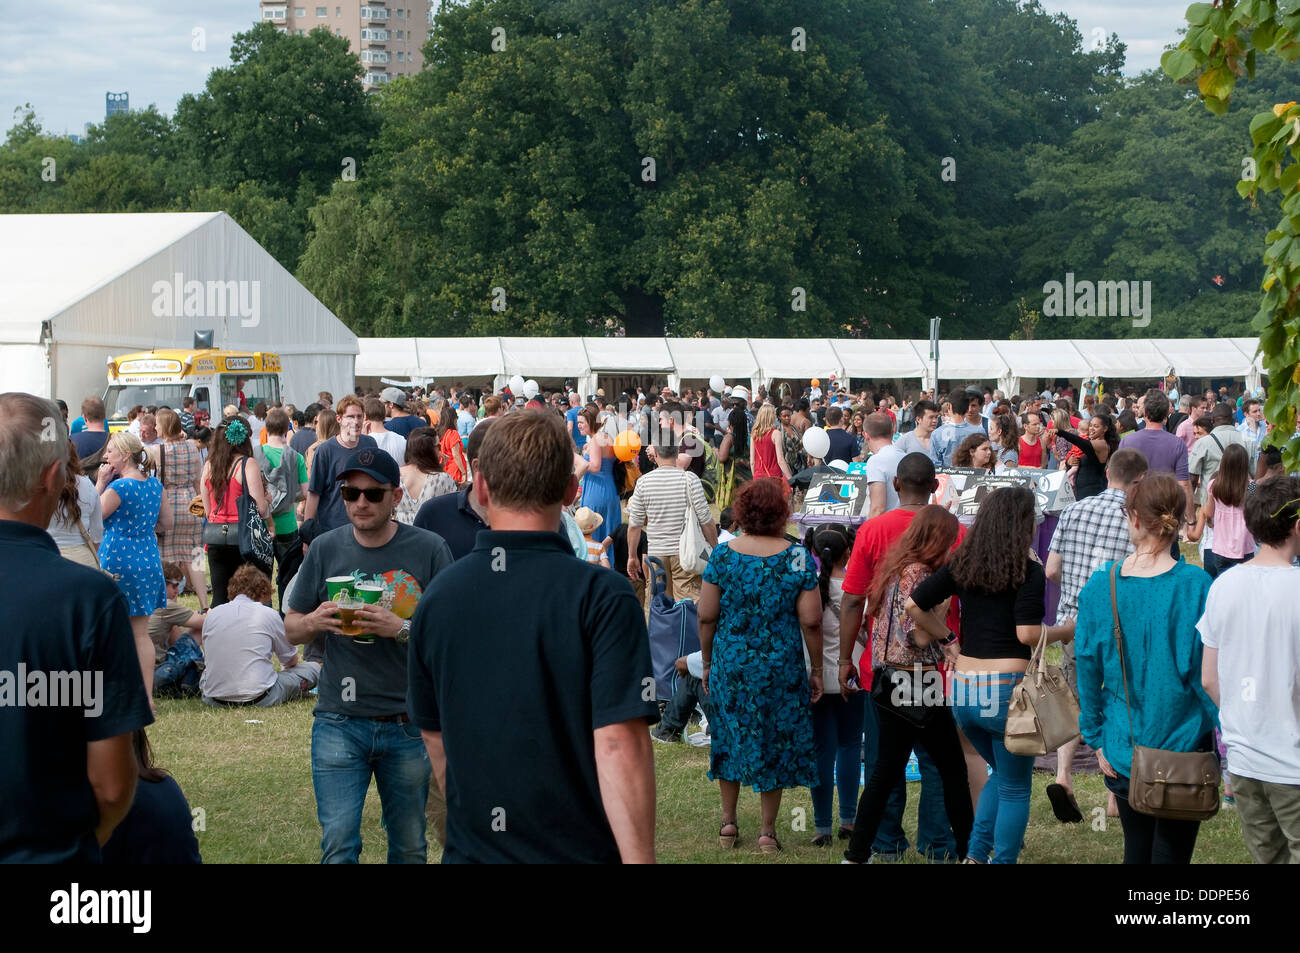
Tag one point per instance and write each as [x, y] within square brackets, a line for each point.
[240, 637]
[172, 620]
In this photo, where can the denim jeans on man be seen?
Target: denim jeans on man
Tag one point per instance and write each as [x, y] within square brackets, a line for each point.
[980, 705]
[345, 752]
[837, 727]
[933, 833]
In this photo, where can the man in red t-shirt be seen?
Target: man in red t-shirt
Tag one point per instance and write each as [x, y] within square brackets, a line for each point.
[915, 482]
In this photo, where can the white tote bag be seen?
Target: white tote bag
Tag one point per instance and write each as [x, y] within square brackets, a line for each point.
[693, 550]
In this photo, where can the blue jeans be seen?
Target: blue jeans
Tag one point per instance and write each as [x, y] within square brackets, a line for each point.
[933, 833]
[837, 727]
[345, 752]
[980, 705]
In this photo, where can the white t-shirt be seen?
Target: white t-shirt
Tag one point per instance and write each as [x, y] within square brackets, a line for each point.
[1250, 617]
[65, 532]
[392, 443]
[882, 468]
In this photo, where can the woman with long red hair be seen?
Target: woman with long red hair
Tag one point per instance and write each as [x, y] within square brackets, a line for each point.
[906, 661]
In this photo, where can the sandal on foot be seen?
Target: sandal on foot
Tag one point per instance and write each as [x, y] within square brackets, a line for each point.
[728, 841]
[772, 848]
[822, 840]
[846, 833]
[1064, 806]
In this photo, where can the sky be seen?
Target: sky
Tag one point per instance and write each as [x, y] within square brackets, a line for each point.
[64, 58]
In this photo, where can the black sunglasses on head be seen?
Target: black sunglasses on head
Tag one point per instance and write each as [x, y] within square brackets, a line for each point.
[372, 494]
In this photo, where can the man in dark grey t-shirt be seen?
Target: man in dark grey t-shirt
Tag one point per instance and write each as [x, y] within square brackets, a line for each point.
[361, 727]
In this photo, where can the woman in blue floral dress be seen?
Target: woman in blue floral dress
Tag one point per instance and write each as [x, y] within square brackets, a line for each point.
[759, 591]
[132, 503]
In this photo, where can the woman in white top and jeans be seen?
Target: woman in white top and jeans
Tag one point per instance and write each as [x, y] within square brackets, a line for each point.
[837, 719]
[77, 526]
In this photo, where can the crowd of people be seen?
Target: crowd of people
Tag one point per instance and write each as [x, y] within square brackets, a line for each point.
[330, 549]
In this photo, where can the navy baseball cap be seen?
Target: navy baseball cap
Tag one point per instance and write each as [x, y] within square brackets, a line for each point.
[375, 464]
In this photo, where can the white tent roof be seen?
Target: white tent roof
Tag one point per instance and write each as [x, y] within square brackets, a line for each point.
[701, 358]
[1130, 358]
[769, 358]
[795, 358]
[967, 360]
[388, 357]
[544, 357]
[1039, 359]
[884, 358]
[96, 282]
[628, 354]
[457, 358]
[1214, 357]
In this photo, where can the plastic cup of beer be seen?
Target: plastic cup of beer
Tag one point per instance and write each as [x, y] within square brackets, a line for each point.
[348, 606]
[368, 593]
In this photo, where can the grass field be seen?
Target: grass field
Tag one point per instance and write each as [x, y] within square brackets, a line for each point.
[249, 771]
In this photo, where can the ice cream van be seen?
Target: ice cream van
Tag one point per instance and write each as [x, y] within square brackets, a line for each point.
[214, 378]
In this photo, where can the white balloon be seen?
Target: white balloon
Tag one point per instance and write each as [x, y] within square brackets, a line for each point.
[817, 442]
[839, 465]
[530, 389]
[516, 385]
[717, 382]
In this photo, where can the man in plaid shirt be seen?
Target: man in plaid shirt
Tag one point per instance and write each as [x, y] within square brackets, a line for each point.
[1091, 532]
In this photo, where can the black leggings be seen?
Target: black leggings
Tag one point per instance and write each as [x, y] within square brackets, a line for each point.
[1155, 840]
[897, 738]
[223, 562]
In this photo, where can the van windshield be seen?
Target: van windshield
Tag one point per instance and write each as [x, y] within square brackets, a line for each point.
[120, 398]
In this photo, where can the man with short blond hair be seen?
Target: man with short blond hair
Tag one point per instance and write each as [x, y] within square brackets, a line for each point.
[574, 781]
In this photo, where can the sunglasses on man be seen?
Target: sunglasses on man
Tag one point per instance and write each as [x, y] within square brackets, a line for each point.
[373, 494]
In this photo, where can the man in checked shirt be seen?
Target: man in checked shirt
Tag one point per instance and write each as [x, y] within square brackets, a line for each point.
[1091, 532]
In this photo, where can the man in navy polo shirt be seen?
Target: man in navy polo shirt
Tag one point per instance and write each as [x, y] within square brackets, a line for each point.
[535, 718]
[457, 517]
[71, 695]
[360, 726]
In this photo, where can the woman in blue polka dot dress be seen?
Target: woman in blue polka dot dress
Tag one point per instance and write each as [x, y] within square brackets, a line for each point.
[132, 500]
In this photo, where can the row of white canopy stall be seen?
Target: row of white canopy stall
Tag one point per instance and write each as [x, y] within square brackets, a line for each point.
[492, 361]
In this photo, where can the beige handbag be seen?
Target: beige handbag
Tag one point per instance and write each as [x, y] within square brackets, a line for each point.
[1176, 785]
[1043, 713]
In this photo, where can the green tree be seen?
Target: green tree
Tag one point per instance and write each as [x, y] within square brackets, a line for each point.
[288, 110]
[1219, 47]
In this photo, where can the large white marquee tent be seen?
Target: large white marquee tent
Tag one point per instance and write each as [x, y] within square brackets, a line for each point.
[760, 361]
[77, 289]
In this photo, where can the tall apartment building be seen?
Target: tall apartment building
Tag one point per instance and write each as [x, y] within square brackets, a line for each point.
[386, 34]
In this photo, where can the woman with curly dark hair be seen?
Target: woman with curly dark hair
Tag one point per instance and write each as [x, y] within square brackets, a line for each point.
[1091, 454]
[905, 654]
[1000, 588]
[759, 591]
[974, 451]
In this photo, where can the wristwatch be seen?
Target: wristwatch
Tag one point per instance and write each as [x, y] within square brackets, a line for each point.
[952, 637]
[404, 633]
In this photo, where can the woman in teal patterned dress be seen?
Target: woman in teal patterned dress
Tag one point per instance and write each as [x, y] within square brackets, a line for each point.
[759, 591]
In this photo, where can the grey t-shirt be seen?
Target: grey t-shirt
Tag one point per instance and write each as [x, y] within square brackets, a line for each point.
[378, 669]
[911, 443]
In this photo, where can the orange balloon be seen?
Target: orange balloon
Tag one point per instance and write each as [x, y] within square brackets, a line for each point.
[627, 445]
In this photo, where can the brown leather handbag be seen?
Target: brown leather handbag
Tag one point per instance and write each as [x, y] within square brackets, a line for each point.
[1176, 785]
[1043, 713]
